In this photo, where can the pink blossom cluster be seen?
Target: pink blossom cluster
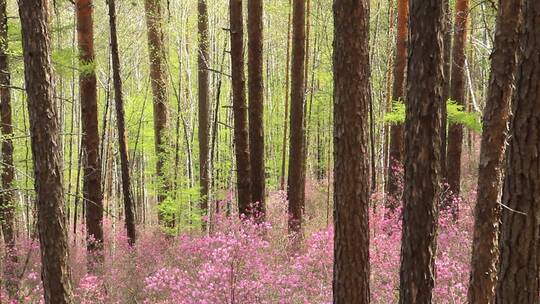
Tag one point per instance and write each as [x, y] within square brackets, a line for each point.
[242, 261]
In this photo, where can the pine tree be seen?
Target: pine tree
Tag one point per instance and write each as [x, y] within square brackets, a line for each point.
[7, 202]
[204, 100]
[296, 179]
[491, 169]
[457, 93]
[422, 152]
[241, 138]
[256, 102]
[352, 96]
[92, 194]
[129, 205]
[158, 80]
[400, 67]
[519, 251]
[447, 69]
[47, 157]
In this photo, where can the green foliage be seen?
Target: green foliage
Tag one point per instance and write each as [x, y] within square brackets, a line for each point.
[87, 68]
[456, 115]
[182, 206]
[397, 115]
[63, 60]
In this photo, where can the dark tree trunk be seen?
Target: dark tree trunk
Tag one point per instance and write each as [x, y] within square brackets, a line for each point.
[396, 131]
[241, 139]
[256, 102]
[7, 203]
[286, 106]
[158, 78]
[447, 36]
[129, 206]
[204, 99]
[296, 179]
[457, 94]
[519, 247]
[352, 97]
[422, 152]
[92, 194]
[47, 157]
[485, 252]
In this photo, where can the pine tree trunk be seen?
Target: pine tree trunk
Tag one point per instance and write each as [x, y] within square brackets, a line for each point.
[520, 253]
[296, 179]
[286, 107]
[204, 99]
[352, 97]
[129, 206]
[47, 157]
[422, 152]
[158, 79]
[485, 252]
[256, 102]
[447, 36]
[7, 202]
[241, 138]
[457, 94]
[396, 131]
[92, 192]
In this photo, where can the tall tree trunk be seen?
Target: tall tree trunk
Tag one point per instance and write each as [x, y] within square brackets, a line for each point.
[7, 202]
[296, 179]
[352, 96]
[256, 102]
[485, 252]
[387, 107]
[286, 114]
[92, 194]
[396, 131]
[447, 68]
[129, 205]
[47, 157]
[241, 137]
[519, 247]
[158, 79]
[422, 152]
[457, 93]
[204, 99]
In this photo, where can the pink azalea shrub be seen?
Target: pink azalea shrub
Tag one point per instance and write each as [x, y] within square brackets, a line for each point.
[249, 262]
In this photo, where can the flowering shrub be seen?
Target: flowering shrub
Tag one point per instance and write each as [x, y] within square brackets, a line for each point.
[243, 261]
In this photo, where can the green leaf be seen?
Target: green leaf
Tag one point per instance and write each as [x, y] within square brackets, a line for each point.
[456, 115]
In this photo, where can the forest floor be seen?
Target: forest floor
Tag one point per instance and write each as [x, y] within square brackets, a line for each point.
[245, 262]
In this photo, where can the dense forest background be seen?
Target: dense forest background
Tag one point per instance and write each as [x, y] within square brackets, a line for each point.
[182, 166]
[269, 151]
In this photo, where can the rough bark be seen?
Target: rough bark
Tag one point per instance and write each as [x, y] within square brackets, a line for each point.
[47, 157]
[158, 80]
[422, 152]
[92, 193]
[256, 102]
[352, 97]
[204, 99]
[241, 139]
[129, 205]
[7, 202]
[520, 228]
[396, 131]
[296, 179]
[457, 94]
[485, 251]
